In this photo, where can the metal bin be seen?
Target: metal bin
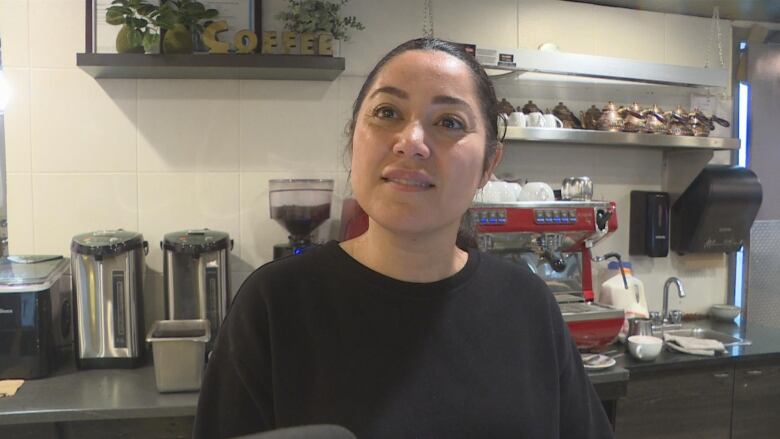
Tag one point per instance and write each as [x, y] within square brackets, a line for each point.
[179, 350]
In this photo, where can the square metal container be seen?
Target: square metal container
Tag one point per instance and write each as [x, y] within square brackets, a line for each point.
[179, 349]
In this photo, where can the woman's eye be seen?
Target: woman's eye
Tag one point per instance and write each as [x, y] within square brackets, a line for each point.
[451, 123]
[385, 113]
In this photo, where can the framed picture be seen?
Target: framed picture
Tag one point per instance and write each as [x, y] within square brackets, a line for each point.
[240, 14]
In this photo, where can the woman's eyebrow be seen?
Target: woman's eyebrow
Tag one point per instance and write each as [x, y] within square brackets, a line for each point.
[391, 90]
[450, 100]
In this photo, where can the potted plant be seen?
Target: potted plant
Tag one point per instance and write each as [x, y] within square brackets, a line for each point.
[319, 16]
[182, 21]
[139, 32]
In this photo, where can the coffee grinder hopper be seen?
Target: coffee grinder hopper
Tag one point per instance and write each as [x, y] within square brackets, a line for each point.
[300, 206]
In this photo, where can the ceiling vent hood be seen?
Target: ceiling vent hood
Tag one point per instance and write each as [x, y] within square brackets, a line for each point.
[520, 61]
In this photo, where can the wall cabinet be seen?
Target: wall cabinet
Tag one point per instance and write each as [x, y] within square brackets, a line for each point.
[733, 401]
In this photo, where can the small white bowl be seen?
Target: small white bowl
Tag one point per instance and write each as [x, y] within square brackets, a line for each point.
[726, 313]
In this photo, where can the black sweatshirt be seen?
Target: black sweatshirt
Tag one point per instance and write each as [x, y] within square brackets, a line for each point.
[319, 338]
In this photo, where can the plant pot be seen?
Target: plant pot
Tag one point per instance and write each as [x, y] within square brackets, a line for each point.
[152, 44]
[198, 46]
[178, 40]
[128, 40]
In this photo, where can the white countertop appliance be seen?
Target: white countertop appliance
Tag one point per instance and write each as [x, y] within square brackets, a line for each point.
[35, 315]
[107, 268]
[197, 276]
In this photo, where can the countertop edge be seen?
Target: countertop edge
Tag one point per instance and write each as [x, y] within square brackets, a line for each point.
[71, 415]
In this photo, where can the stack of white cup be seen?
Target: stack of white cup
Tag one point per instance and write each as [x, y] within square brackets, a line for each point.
[497, 191]
[533, 120]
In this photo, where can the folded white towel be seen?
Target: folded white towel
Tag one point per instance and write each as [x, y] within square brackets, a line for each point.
[693, 345]
[9, 387]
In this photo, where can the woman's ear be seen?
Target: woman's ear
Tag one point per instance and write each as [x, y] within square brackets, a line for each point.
[493, 163]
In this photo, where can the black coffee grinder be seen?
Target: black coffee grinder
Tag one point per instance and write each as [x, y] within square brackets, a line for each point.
[300, 206]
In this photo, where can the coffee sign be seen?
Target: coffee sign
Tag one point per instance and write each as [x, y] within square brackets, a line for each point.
[245, 41]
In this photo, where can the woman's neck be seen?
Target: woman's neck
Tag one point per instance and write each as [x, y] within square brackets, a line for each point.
[408, 258]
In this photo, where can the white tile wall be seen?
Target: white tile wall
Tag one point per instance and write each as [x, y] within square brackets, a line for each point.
[17, 120]
[387, 24]
[188, 125]
[14, 32]
[163, 155]
[455, 20]
[57, 32]
[290, 125]
[65, 205]
[21, 236]
[683, 33]
[625, 33]
[153, 297]
[560, 23]
[82, 125]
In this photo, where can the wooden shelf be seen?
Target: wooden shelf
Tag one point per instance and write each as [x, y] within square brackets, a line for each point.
[210, 66]
[605, 138]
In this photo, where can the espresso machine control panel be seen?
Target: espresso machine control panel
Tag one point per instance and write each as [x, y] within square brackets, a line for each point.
[490, 216]
[555, 216]
[540, 216]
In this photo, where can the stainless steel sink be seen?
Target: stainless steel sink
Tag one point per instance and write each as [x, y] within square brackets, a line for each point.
[726, 339]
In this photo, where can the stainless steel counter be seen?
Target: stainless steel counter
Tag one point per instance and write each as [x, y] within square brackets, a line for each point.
[102, 394]
[71, 395]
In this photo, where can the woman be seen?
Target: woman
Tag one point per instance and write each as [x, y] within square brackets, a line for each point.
[399, 332]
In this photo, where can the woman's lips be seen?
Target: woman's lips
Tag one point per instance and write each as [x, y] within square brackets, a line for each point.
[408, 180]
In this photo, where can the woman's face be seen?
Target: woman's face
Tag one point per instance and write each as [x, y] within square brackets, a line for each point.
[419, 144]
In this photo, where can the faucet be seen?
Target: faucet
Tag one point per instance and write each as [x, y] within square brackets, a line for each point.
[680, 291]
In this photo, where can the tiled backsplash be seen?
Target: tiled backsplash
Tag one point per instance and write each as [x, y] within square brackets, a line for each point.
[163, 155]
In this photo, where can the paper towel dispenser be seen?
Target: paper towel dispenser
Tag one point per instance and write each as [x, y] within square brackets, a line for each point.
[716, 211]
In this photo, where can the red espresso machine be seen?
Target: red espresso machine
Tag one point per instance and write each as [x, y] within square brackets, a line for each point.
[554, 239]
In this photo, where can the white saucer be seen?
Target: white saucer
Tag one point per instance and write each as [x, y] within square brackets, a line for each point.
[597, 361]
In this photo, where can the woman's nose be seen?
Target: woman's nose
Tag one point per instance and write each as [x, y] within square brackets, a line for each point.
[411, 142]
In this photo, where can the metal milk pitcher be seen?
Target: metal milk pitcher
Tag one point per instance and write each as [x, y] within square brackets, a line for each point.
[639, 326]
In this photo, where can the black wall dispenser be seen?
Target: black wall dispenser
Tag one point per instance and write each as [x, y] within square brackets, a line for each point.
[649, 229]
[716, 211]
